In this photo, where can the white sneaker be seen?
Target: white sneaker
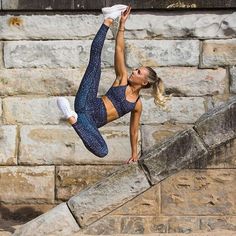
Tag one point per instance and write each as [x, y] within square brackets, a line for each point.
[114, 11]
[64, 105]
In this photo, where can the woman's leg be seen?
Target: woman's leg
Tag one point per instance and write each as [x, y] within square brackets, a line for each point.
[85, 126]
[89, 85]
[87, 130]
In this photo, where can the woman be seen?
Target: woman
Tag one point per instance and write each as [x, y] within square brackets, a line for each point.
[93, 112]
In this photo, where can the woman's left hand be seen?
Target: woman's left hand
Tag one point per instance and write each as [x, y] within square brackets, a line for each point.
[132, 159]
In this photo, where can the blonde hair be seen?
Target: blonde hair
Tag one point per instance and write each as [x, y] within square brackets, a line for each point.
[158, 88]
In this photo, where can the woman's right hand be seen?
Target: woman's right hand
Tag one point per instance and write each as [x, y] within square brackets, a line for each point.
[125, 15]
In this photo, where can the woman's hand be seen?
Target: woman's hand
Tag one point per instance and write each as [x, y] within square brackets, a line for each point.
[125, 15]
[132, 159]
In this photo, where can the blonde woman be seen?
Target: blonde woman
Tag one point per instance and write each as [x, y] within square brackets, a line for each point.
[92, 112]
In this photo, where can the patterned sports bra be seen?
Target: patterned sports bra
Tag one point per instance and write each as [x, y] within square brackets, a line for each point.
[118, 99]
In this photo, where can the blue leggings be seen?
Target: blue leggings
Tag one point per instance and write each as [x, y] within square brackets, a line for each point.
[90, 109]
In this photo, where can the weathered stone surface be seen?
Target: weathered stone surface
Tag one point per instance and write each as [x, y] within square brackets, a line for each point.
[8, 145]
[191, 81]
[10, 4]
[146, 204]
[161, 25]
[46, 27]
[155, 134]
[107, 195]
[20, 184]
[232, 72]
[199, 192]
[209, 223]
[223, 156]
[61, 145]
[46, 54]
[178, 109]
[70, 180]
[58, 221]
[162, 52]
[0, 110]
[22, 213]
[1, 55]
[39, 81]
[27, 110]
[181, 24]
[180, 224]
[71, 54]
[128, 225]
[218, 125]
[172, 155]
[218, 53]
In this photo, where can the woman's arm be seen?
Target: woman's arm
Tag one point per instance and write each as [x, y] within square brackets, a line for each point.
[120, 67]
[134, 129]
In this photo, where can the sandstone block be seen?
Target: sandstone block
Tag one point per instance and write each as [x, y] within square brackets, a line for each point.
[191, 81]
[156, 134]
[27, 110]
[182, 24]
[0, 110]
[70, 180]
[61, 145]
[100, 199]
[185, 225]
[218, 53]
[146, 204]
[71, 27]
[9, 4]
[58, 221]
[218, 125]
[172, 155]
[46, 54]
[39, 81]
[209, 223]
[1, 55]
[162, 53]
[8, 138]
[178, 109]
[199, 192]
[233, 80]
[20, 184]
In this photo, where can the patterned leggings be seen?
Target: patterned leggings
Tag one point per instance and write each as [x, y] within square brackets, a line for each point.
[90, 109]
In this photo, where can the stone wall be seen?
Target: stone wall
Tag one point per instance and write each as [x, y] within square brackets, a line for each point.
[43, 162]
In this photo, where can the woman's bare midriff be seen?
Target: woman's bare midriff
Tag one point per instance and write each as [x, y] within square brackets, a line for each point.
[111, 110]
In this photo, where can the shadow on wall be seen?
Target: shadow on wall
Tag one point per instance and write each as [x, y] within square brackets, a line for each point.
[10, 218]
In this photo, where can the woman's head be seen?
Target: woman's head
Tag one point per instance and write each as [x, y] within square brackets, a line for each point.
[146, 77]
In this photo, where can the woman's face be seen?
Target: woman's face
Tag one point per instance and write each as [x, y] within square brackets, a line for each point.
[139, 76]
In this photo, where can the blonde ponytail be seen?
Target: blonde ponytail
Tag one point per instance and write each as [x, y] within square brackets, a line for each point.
[158, 89]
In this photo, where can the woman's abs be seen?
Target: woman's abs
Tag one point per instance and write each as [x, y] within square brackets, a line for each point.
[110, 109]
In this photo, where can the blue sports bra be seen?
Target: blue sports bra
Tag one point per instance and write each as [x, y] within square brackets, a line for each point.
[118, 99]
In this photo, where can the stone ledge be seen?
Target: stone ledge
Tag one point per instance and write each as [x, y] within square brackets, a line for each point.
[218, 125]
[100, 199]
[169, 157]
[58, 221]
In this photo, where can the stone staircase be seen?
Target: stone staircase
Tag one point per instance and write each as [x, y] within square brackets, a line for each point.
[211, 130]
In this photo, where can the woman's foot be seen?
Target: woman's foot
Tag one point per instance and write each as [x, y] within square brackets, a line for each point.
[114, 11]
[64, 106]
